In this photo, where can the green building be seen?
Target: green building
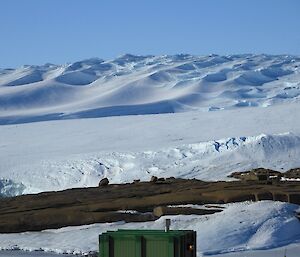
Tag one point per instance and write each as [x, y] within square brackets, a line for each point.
[148, 243]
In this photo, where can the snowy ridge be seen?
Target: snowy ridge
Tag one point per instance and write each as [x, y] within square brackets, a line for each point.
[240, 227]
[212, 160]
[130, 85]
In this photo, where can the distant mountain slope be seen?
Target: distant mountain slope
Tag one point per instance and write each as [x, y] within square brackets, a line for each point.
[130, 85]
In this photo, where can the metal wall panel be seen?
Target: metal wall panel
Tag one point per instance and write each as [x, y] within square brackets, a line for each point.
[125, 247]
[158, 247]
[104, 246]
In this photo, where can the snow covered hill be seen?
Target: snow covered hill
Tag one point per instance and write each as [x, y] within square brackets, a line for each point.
[131, 85]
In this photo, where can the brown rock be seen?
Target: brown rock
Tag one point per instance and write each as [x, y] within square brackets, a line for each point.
[164, 210]
[153, 179]
[259, 174]
[171, 178]
[292, 173]
[103, 182]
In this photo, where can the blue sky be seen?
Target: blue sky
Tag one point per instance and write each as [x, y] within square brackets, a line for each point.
[60, 31]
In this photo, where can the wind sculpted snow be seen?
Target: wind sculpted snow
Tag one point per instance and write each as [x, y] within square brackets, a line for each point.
[131, 85]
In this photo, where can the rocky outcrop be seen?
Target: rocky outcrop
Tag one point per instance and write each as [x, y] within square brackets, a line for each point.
[132, 202]
[262, 174]
[292, 174]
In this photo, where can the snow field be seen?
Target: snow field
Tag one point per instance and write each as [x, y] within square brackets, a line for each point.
[213, 160]
[56, 155]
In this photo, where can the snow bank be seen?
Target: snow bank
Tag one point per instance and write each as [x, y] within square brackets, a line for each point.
[291, 250]
[241, 226]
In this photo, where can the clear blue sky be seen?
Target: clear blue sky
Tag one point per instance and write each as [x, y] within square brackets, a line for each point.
[60, 31]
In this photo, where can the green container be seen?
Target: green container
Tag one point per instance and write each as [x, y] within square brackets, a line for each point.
[147, 243]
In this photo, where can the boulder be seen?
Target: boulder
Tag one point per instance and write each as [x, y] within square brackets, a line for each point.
[153, 179]
[103, 182]
[170, 178]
